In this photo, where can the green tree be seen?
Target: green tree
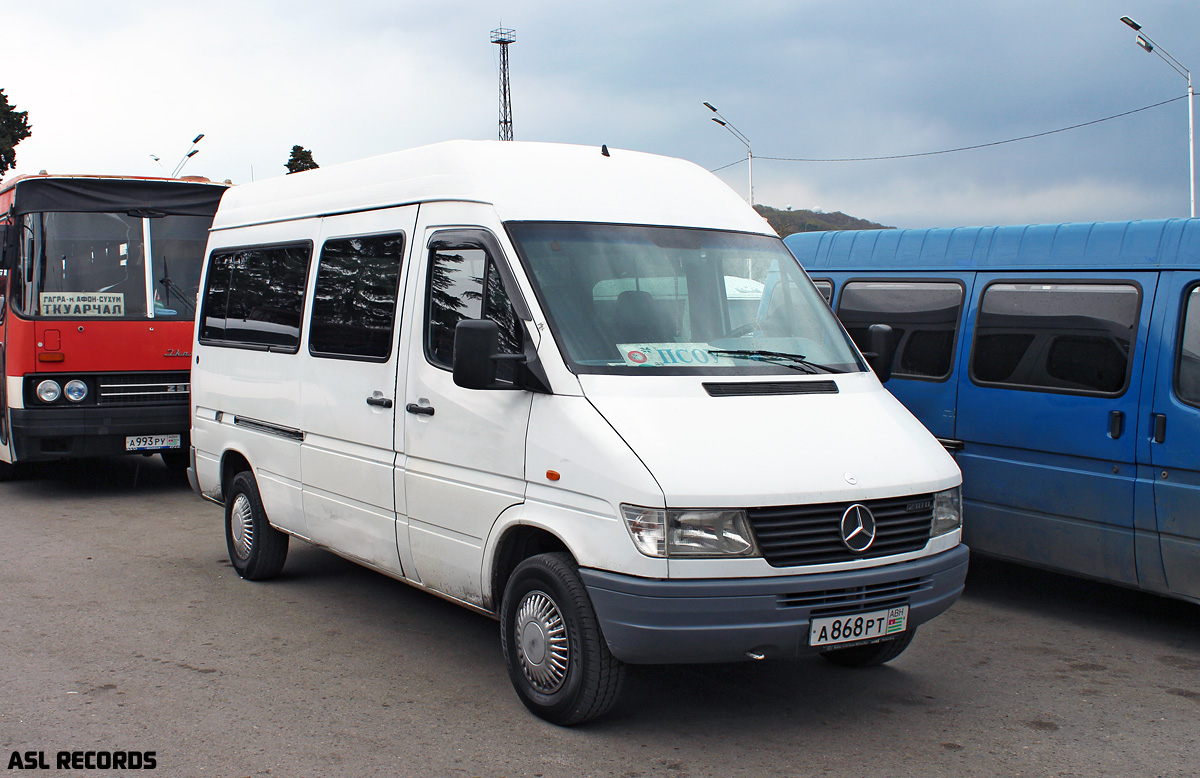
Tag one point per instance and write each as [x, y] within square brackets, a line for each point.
[14, 128]
[301, 159]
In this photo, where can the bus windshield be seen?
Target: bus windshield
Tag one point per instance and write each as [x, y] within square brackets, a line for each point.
[110, 265]
[625, 299]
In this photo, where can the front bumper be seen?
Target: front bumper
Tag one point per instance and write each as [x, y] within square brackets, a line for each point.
[652, 621]
[41, 434]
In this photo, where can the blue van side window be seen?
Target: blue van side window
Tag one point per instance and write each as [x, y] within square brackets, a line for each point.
[923, 315]
[1187, 384]
[1074, 338]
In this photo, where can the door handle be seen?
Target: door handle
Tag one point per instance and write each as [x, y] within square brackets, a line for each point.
[420, 410]
[379, 402]
[1160, 427]
[1116, 424]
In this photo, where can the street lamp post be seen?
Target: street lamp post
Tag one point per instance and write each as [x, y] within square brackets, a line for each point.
[1150, 46]
[192, 151]
[721, 120]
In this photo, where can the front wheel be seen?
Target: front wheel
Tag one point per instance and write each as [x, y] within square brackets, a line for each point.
[557, 658]
[872, 654]
[256, 549]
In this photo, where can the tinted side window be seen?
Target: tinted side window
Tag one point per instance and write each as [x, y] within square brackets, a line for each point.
[255, 296]
[1187, 382]
[354, 302]
[824, 287]
[923, 316]
[1074, 338]
[464, 284]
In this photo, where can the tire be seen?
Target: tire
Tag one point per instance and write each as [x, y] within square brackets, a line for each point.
[8, 471]
[872, 654]
[256, 549]
[557, 658]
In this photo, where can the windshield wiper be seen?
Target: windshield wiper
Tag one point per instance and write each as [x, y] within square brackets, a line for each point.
[794, 361]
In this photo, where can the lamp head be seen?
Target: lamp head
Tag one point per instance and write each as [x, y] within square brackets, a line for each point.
[1131, 23]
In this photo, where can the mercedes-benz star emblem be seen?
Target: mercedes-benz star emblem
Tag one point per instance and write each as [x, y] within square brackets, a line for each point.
[858, 528]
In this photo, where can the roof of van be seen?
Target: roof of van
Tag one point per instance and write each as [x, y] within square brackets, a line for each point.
[1128, 245]
[524, 181]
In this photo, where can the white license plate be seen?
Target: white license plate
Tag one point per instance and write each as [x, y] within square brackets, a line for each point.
[151, 442]
[876, 625]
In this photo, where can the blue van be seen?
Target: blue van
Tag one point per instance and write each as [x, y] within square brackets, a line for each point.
[1061, 365]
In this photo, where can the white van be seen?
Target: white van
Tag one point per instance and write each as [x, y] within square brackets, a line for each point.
[512, 374]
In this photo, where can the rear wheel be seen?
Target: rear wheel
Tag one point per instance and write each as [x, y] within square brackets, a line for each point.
[256, 549]
[557, 658]
[872, 654]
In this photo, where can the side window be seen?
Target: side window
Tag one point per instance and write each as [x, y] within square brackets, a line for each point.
[255, 297]
[923, 315]
[825, 287]
[1068, 337]
[1187, 380]
[464, 284]
[354, 302]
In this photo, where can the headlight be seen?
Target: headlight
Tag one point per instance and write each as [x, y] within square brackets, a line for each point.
[689, 533]
[48, 391]
[75, 390]
[947, 511]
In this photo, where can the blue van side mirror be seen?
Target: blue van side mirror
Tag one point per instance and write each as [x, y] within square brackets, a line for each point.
[883, 351]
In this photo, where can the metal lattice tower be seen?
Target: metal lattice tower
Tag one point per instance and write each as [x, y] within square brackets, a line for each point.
[504, 36]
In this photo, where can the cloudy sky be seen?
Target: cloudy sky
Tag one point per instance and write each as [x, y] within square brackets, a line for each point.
[109, 85]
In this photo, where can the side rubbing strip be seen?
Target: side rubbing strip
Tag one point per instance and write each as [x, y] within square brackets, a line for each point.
[750, 388]
[270, 429]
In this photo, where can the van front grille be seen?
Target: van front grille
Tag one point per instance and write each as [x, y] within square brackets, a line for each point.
[795, 535]
[855, 599]
[143, 388]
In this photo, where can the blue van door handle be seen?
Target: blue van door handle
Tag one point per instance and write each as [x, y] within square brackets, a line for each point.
[1116, 424]
[1160, 427]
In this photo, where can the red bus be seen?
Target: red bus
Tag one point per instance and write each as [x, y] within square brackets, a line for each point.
[98, 279]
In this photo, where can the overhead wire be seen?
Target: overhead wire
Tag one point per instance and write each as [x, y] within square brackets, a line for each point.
[960, 148]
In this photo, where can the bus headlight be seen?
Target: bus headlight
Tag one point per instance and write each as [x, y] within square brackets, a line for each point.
[689, 533]
[947, 511]
[75, 390]
[49, 391]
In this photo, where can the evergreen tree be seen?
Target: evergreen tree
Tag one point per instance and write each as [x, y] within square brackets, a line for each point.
[14, 128]
[301, 159]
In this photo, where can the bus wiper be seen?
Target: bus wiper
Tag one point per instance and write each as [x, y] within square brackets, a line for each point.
[795, 361]
[171, 286]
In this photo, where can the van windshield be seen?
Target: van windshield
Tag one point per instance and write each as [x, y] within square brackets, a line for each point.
[624, 299]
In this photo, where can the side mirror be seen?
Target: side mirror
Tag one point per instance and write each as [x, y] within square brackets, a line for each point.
[476, 352]
[883, 351]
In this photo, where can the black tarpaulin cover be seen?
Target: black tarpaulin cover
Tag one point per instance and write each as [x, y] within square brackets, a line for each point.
[107, 195]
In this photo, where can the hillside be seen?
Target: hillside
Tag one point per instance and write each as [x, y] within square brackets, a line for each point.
[787, 222]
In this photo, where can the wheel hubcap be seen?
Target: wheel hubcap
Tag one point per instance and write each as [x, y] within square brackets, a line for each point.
[241, 525]
[541, 642]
